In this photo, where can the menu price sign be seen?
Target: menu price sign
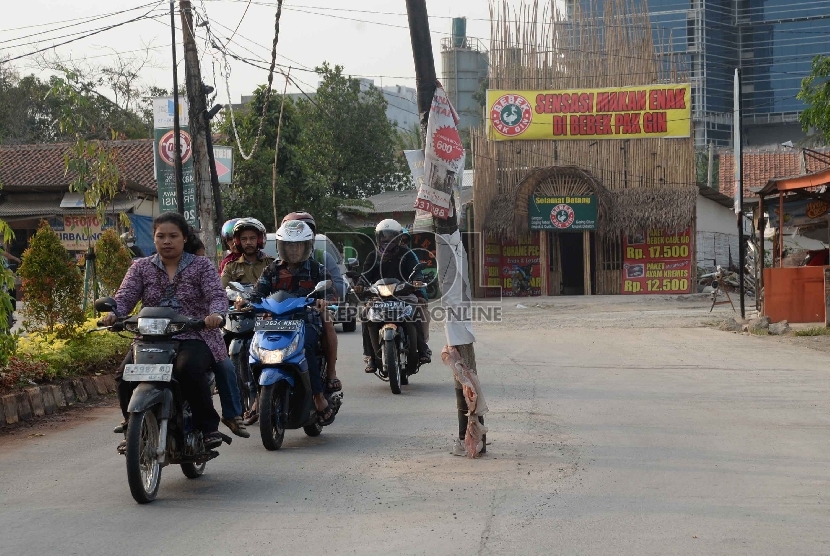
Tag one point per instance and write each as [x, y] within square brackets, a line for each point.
[657, 263]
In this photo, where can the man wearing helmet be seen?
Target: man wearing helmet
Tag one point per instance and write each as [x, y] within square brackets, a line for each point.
[392, 258]
[249, 241]
[227, 239]
[321, 255]
[297, 273]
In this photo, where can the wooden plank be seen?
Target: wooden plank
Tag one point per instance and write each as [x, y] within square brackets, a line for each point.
[586, 260]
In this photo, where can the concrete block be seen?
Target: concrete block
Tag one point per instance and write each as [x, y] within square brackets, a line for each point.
[24, 408]
[80, 390]
[89, 386]
[57, 394]
[109, 382]
[36, 399]
[68, 393]
[100, 385]
[49, 405]
[9, 408]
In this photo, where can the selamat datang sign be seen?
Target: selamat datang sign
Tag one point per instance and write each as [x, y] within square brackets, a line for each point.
[647, 111]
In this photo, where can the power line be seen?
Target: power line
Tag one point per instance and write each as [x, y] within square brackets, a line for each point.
[96, 32]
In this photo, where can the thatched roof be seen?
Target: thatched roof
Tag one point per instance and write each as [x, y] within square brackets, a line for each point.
[618, 211]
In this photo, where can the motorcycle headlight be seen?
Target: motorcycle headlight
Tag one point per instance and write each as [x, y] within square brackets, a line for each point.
[274, 356]
[153, 327]
[386, 290]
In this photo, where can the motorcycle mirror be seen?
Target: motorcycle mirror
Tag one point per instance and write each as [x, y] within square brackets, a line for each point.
[237, 286]
[351, 263]
[324, 285]
[105, 305]
[419, 266]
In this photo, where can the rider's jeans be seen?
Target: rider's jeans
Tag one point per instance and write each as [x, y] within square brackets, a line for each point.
[312, 340]
[228, 388]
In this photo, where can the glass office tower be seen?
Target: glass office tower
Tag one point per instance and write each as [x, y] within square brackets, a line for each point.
[772, 41]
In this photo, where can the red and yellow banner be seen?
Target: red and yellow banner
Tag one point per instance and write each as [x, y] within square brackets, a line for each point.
[614, 113]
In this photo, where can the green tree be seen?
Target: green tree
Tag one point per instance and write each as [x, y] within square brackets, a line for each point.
[815, 92]
[347, 141]
[113, 260]
[52, 285]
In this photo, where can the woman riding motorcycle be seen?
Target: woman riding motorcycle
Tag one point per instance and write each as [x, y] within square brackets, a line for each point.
[190, 285]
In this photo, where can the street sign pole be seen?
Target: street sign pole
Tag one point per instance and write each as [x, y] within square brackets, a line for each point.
[177, 141]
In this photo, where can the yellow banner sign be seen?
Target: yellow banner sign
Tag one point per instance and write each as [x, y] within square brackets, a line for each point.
[615, 113]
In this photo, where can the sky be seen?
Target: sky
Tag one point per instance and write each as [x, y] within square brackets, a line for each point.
[368, 37]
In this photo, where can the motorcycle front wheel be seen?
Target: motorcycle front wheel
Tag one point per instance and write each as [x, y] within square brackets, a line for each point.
[273, 406]
[391, 365]
[143, 469]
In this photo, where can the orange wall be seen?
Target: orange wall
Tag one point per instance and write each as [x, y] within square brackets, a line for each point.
[794, 294]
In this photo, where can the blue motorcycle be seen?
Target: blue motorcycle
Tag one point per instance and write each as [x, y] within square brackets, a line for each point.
[280, 367]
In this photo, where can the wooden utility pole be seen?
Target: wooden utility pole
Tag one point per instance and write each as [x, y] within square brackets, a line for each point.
[197, 108]
[425, 84]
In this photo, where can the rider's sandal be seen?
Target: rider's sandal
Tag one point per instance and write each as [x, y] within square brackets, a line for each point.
[121, 428]
[334, 385]
[370, 365]
[326, 417]
[426, 358]
[251, 417]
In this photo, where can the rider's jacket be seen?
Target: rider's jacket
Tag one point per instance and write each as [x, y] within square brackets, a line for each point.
[398, 267]
[244, 272]
[300, 281]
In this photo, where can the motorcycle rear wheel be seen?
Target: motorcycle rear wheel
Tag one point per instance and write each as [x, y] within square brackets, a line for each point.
[273, 400]
[143, 469]
[193, 470]
[391, 365]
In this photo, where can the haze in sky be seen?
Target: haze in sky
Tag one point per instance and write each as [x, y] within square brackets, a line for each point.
[368, 37]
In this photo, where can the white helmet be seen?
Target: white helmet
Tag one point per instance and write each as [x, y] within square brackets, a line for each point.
[295, 231]
[388, 237]
[249, 224]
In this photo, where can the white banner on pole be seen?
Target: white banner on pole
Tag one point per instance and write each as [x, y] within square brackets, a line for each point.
[455, 299]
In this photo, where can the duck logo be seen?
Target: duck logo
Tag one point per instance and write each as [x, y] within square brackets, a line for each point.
[511, 115]
[562, 216]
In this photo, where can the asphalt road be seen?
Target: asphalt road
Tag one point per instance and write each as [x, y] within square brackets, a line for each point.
[603, 441]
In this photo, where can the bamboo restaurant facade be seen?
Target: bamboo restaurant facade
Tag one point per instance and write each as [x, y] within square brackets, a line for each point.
[585, 170]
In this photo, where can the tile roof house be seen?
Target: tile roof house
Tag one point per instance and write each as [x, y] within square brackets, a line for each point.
[35, 186]
[764, 164]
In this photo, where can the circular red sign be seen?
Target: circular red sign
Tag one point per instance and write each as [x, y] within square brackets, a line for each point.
[447, 144]
[167, 147]
[511, 115]
[562, 216]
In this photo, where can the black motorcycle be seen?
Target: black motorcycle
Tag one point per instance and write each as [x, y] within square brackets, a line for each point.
[160, 430]
[397, 338]
[238, 332]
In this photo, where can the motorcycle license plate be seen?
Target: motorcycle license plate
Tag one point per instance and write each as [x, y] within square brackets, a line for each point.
[387, 304]
[148, 372]
[268, 325]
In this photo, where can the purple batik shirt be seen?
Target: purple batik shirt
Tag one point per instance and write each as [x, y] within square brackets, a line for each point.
[196, 292]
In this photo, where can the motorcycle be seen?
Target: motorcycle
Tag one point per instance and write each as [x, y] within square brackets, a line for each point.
[397, 337]
[239, 329]
[160, 428]
[280, 367]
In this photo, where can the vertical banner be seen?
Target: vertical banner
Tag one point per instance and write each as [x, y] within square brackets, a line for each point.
[443, 160]
[513, 266]
[423, 219]
[657, 262]
[164, 149]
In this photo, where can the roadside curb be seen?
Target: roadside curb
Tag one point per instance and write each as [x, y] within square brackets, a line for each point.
[38, 401]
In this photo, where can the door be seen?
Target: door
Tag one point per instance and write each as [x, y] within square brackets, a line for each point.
[571, 247]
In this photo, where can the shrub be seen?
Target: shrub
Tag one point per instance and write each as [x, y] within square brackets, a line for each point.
[113, 261]
[19, 372]
[79, 355]
[52, 285]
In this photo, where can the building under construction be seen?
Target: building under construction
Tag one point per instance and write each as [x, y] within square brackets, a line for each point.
[584, 170]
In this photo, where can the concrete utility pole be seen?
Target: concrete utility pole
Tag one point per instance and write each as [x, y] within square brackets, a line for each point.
[425, 84]
[198, 129]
